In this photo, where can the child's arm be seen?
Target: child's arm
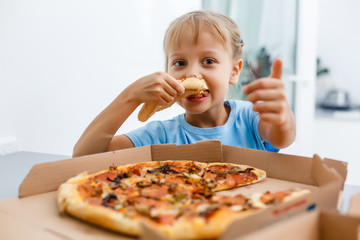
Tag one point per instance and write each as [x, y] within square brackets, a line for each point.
[158, 89]
[277, 122]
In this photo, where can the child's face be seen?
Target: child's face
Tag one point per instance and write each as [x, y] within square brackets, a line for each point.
[208, 59]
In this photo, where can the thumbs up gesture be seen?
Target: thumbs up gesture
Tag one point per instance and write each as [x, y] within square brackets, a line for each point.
[268, 96]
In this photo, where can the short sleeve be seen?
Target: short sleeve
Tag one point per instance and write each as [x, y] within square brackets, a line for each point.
[270, 148]
[151, 133]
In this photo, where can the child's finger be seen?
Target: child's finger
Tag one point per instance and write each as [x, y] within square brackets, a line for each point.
[266, 95]
[261, 83]
[274, 118]
[269, 107]
[276, 71]
[170, 90]
[175, 84]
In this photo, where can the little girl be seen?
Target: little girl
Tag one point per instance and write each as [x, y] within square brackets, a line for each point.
[209, 46]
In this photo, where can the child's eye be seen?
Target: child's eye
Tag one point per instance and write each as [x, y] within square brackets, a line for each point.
[179, 63]
[208, 61]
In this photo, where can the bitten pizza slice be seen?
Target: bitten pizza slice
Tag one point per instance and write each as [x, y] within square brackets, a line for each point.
[192, 85]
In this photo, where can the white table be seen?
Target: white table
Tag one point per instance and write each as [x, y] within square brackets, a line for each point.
[15, 166]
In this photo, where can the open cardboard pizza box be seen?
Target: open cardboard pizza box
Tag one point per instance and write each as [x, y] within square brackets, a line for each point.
[35, 212]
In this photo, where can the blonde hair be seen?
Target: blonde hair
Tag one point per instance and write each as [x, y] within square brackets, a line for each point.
[198, 20]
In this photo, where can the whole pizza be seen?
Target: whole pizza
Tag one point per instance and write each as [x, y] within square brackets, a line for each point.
[181, 199]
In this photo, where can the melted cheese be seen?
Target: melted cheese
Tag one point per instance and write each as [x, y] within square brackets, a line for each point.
[154, 212]
[255, 200]
[237, 208]
[193, 175]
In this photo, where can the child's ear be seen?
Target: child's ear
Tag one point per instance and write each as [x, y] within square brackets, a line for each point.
[236, 72]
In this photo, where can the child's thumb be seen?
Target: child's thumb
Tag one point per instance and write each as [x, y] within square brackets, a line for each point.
[276, 69]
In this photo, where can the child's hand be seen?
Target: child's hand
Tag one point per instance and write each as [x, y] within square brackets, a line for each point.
[269, 97]
[156, 89]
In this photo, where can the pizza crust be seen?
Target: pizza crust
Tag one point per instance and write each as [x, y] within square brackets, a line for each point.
[70, 201]
[199, 228]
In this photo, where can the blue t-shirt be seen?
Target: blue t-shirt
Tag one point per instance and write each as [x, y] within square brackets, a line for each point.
[241, 130]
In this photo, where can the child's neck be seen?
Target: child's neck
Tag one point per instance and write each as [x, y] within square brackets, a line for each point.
[209, 119]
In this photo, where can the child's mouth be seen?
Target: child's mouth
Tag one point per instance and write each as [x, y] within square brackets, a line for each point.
[199, 96]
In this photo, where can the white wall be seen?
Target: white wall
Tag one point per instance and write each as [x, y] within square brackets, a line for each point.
[334, 138]
[338, 46]
[339, 49]
[62, 62]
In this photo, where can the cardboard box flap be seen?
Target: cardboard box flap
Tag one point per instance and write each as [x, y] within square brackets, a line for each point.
[322, 173]
[277, 165]
[339, 166]
[335, 226]
[204, 151]
[330, 182]
[47, 177]
[354, 208]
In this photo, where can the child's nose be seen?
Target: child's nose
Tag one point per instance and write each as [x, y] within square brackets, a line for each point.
[197, 75]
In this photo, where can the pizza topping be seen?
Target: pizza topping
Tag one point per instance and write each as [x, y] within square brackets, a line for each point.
[112, 168]
[87, 190]
[202, 207]
[134, 170]
[154, 212]
[105, 177]
[272, 198]
[176, 179]
[143, 209]
[156, 180]
[210, 175]
[222, 172]
[143, 184]
[180, 193]
[191, 175]
[240, 170]
[109, 199]
[237, 208]
[210, 183]
[187, 167]
[163, 169]
[219, 173]
[154, 191]
[172, 187]
[255, 201]
[208, 210]
[235, 179]
[95, 201]
[197, 196]
[179, 197]
[230, 200]
[118, 178]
